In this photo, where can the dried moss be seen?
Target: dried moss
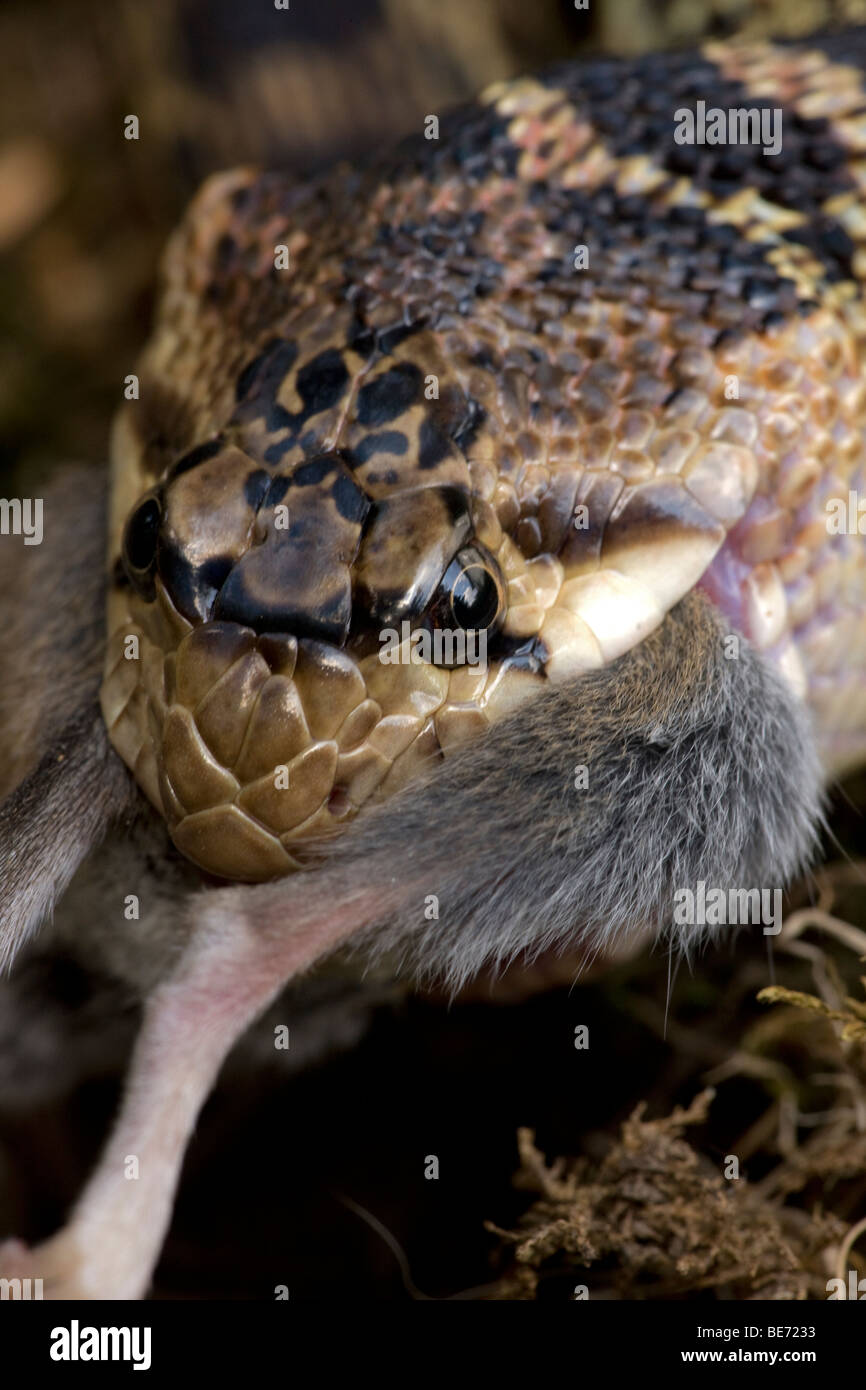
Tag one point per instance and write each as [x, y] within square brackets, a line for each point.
[656, 1219]
[662, 1215]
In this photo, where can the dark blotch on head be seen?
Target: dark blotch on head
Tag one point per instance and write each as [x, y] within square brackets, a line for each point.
[196, 456]
[279, 486]
[386, 398]
[389, 478]
[352, 504]
[267, 371]
[330, 473]
[383, 442]
[314, 471]
[388, 338]
[275, 453]
[362, 340]
[321, 383]
[433, 443]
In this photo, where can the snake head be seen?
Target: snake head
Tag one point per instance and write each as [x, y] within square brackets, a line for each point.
[309, 633]
[430, 420]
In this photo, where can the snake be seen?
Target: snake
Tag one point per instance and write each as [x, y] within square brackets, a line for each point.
[509, 391]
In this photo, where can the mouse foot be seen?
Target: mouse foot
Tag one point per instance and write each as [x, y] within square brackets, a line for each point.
[50, 1270]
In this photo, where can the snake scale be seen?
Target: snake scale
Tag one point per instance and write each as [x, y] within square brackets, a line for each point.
[537, 374]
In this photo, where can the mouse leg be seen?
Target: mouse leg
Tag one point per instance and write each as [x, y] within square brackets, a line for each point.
[246, 944]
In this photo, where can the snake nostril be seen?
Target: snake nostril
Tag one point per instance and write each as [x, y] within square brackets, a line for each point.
[141, 533]
[140, 537]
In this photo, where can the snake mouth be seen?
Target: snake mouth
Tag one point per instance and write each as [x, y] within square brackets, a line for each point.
[752, 597]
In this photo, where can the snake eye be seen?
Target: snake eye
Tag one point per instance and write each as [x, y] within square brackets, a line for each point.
[140, 536]
[471, 593]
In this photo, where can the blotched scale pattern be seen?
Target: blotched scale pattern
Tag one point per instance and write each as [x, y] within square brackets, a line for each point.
[677, 404]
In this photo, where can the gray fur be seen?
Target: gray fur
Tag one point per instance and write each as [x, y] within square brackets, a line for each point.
[67, 786]
[699, 768]
[52, 821]
[52, 636]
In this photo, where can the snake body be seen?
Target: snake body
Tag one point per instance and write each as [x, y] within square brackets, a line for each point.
[534, 376]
